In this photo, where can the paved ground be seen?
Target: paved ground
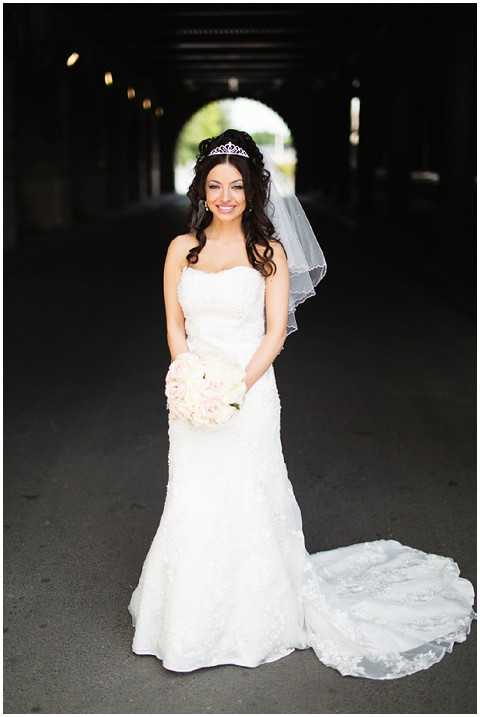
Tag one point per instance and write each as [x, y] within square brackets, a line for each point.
[380, 444]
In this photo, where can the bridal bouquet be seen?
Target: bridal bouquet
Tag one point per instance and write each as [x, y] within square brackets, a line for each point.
[204, 390]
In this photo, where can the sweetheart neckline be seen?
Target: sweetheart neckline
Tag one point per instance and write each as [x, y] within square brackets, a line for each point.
[222, 271]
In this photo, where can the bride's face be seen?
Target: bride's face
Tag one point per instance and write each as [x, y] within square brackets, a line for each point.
[225, 193]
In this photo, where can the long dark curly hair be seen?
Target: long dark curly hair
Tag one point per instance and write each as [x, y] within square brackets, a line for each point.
[256, 225]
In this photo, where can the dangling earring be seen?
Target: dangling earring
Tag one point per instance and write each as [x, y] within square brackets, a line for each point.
[206, 205]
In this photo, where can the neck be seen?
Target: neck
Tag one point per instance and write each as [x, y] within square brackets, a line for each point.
[219, 230]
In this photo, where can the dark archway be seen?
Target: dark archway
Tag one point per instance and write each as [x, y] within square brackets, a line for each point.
[267, 127]
[290, 112]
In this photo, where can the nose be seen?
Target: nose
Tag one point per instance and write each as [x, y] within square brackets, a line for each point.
[226, 194]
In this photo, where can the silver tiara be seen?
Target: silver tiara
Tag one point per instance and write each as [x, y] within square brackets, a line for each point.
[229, 148]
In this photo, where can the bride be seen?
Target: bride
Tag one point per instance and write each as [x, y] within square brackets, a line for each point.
[227, 578]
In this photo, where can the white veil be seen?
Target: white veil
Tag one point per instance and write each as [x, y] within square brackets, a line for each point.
[306, 262]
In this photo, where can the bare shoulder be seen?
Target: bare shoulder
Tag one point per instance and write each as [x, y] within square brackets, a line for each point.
[182, 242]
[278, 256]
[174, 258]
[187, 241]
[178, 249]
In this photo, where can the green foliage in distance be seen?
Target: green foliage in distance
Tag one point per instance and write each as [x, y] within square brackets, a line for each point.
[207, 122]
[263, 138]
[268, 139]
[287, 169]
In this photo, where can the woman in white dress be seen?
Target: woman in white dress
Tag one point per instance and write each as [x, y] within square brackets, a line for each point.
[227, 578]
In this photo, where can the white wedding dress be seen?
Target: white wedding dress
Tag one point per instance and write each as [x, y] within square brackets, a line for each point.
[227, 578]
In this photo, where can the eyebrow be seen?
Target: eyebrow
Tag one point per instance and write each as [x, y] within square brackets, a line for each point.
[218, 182]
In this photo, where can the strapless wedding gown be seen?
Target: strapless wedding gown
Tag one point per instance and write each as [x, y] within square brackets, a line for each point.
[227, 578]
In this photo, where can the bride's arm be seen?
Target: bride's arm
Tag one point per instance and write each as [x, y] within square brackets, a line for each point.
[276, 309]
[175, 320]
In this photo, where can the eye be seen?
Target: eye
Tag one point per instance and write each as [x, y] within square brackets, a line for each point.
[237, 186]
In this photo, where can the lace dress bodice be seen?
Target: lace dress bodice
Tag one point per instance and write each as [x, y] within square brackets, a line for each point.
[224, 311]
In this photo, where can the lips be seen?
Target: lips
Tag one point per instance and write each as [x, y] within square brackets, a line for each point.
[226, 208]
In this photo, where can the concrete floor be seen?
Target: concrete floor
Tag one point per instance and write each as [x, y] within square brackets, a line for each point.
[380, 444]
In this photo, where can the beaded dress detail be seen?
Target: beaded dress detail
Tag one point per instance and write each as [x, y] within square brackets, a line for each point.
[227, 578]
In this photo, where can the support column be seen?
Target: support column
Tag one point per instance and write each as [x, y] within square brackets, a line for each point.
[340, 153]
[305, 139]
[117, 156]
[10, 179]
[133, 152]
[457, 174]
[155, 157]
[365, 170]
[322, 147]
[167, 177]
[149, 152]
[399, 180]
[143, 164]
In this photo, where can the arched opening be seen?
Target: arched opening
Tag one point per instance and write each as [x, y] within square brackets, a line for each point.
[267, 128]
